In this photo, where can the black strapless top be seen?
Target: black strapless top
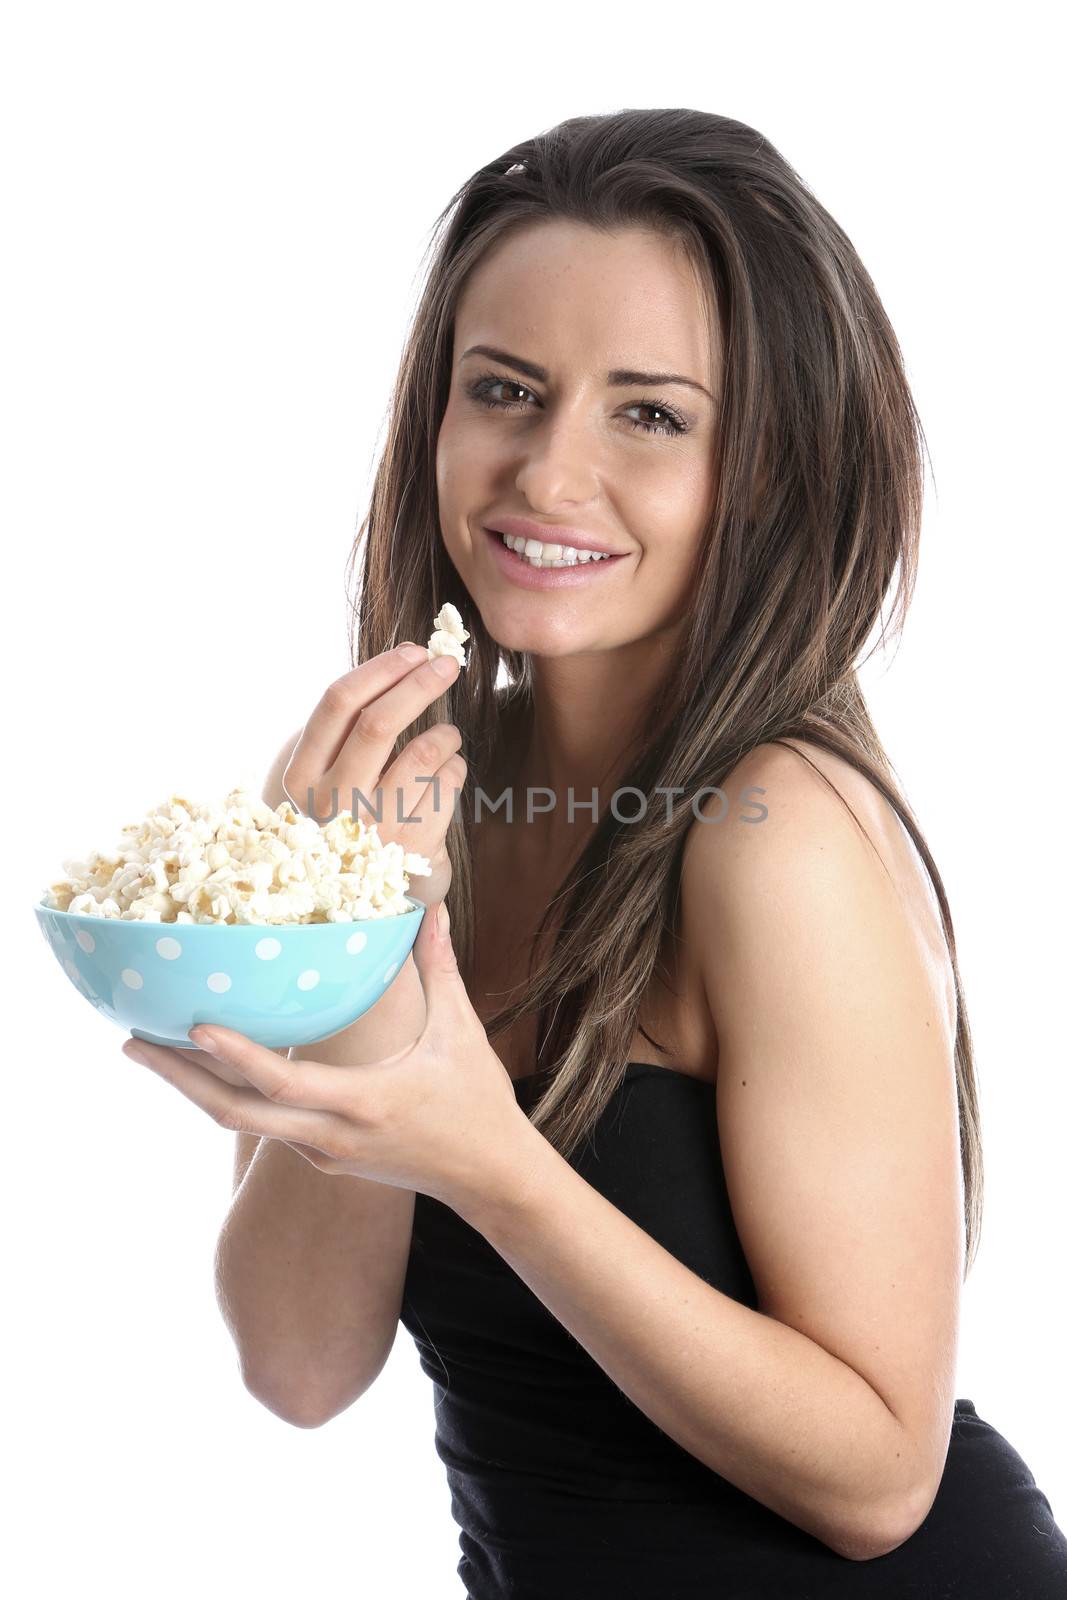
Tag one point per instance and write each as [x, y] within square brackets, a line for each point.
[564, 1490]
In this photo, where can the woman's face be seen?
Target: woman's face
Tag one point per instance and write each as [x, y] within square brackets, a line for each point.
[632, 464]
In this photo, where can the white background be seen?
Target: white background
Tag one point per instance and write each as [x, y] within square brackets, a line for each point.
[215, 217]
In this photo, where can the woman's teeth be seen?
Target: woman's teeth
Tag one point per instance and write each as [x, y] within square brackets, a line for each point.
[537, 554]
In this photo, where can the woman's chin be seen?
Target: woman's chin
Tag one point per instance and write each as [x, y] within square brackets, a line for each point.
[541, 642]
[513, 623]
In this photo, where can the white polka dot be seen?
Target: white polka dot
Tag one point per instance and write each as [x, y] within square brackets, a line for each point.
[390, 971]
[131, 979]
[169, 949]
[86, 940]
[356, 943]
[219, 982]
[267, 949]
[308, 979]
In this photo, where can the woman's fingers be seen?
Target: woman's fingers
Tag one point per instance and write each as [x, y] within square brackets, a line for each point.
[199, 1058]
[351, 733]
[240, 1110]
[327, 728]
[307, 1085]
[318, 1158]
[378, 726]
[434, 810]
[409, 792]
[422, 756]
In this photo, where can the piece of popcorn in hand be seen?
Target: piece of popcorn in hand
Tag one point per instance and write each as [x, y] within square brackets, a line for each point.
[449, 635]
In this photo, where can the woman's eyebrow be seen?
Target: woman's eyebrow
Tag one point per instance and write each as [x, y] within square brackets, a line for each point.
[618, 377]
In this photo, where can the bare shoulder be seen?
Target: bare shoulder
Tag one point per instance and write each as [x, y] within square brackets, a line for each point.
[781, 816]
[776, 787]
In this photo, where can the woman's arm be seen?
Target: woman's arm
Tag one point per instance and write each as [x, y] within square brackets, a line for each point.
[309, 1272]
[832, 1403]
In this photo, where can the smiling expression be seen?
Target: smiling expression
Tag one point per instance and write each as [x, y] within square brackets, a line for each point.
[567, 408]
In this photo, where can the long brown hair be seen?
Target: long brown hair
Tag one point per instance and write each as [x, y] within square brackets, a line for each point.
[819, 506]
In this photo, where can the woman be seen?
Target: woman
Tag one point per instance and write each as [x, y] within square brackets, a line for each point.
[680, 1231]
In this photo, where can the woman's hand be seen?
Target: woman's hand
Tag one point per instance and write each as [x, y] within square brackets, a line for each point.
[439, 1117]
[347, 744]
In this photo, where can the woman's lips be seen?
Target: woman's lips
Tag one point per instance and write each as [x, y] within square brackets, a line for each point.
[520, 572]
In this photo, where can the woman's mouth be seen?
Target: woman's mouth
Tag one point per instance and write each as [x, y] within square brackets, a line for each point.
[535, 564]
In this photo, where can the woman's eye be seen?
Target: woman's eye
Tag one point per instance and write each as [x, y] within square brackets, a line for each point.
[674, 422]
[480, 389]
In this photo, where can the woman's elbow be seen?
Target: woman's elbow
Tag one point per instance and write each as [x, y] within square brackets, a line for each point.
[882, 1532]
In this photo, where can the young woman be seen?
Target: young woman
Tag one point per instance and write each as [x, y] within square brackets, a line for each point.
[667, 1153]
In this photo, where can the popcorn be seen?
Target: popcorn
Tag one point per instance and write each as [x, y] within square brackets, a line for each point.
[450, 634]
[240, 862]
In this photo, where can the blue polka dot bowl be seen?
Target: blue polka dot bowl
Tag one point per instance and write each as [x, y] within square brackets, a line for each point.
[281, 985]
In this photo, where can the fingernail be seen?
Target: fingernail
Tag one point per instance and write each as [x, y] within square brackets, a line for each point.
[132, 1053]
[206, 1041]
[413, 652]
[443, 665]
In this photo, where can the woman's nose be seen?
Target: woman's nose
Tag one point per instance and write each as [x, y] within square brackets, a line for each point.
[559, 468]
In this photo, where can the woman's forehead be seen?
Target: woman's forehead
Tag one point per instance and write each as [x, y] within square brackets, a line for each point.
[578, 302]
